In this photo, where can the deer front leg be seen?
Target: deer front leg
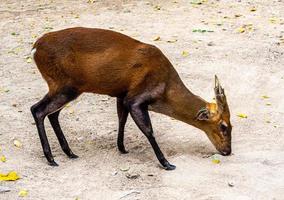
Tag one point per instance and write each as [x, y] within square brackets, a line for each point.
[122, 113]
[140, 115]
[53, 118]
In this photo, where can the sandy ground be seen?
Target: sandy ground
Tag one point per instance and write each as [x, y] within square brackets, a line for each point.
[249, 65]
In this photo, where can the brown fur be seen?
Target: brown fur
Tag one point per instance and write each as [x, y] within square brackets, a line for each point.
[106, 62]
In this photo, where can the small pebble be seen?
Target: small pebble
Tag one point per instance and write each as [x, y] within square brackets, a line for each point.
[211, 44]
[231, 184]
[132, 176]
[124, 168]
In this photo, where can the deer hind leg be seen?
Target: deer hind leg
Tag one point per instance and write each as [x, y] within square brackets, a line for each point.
[48, 105]
[139, 112]
[122, 112]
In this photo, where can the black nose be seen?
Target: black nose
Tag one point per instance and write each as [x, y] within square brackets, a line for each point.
[226, 152]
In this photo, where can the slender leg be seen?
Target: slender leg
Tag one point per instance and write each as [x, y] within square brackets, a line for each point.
[37, 111]
[48, 105]
[122, 113]
[53, 118]
[139, 113]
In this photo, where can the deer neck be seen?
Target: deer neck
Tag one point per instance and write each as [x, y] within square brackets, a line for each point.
[181, 104]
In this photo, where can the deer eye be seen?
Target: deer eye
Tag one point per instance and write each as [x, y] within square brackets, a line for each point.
[223, 128]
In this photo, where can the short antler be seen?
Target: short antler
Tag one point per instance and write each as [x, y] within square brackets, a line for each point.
[220, 96]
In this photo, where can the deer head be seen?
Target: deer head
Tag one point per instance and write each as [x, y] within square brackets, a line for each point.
[215, 121]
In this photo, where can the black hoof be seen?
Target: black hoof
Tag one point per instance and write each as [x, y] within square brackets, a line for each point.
[122, 150]
[53, 163]
[73, 156]
[169, 166]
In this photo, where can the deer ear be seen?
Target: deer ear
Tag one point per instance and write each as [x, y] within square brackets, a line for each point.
[203, 114]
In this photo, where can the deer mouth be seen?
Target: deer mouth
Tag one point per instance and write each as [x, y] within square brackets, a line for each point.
[226, 151]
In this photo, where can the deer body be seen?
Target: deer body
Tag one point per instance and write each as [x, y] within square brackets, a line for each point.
[78, 60]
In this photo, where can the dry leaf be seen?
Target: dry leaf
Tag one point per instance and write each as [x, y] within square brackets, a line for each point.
[172, 41]
[17, 143]
[253, 9]
[215, 159]
[202, 31]
[4, 90]
[198, 2]
[244, 28]
[71, 110]
[157, 7]
[28, 59]
[242, 115]
[23, 193]
[14, 34]
[157, 38]
[268, 104]
[34, 36]
[185, 53]
[273, 20]
[249, 27]
[3, 159]
[48, 28]
[241, 29]
[265, 97]
[11, 176]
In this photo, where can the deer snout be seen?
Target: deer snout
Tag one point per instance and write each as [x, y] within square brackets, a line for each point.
[226, 151]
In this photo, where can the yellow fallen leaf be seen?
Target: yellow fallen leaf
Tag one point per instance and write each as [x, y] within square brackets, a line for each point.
[28, 59]
[265, 97]
[242, 115]
[4, 90]
[23, 193]
[3, 158]
[215, 159]
[17, 143]
[71, 110]
[246, 27]
[157, 7]
[273, 20]
[91, 1]
[249, 27]
[172, 41]
[185, 53]
[253, 9]
[241, 29]
[268, 104]
[11, 176]
[34, 35]
[157, 38]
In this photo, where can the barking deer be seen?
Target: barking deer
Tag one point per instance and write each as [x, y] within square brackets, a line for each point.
[77, 60]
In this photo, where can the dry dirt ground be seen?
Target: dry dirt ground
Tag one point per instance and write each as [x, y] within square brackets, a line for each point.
[249, 64]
